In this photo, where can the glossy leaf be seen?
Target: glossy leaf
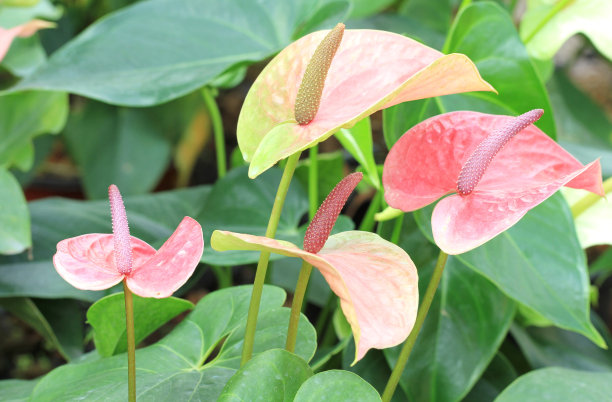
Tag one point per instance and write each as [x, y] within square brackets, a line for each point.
[466, 324]
[152, 62]
[358, 142]
[375, 280]
[153, 218]
[559, 384]
[267, 131]
[486, 34]
[553, 280]
[17, 390]
[176, 368]
[274, 375]
[15, 234]
[338, 386]
[107, 317]
[544, 35]
[495, 379]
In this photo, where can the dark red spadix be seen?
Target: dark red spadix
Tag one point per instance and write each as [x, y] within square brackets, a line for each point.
[478, 162]
[322, 223]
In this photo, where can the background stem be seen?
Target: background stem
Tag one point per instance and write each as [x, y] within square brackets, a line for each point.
[131, 343]
[262, 265]
[296, 306]
[217, 123]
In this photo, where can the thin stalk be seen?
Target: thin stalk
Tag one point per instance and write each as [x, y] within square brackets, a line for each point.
[217, 123]
[223, 275]
[409, 344]
[588, 200]
[367, 224]
[553, 11]
[296, 306]
[313, 181]
[324, 315]
[264, 258]
[397, 229]
[131, 343]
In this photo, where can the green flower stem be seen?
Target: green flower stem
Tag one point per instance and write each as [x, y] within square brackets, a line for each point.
[262, 265]
[217, 122]
[553, 11]
[223, 275]
[588, 200]
[409, 344]
[296, 306]
[324, 315]
[131, 343]
[367, 224]
[397, 229]
[313, 181]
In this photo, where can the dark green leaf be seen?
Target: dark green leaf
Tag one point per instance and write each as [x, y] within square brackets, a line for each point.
[107, 317]
[14, 220]
[466, 323]
[331, 171]
[274, 375]
[336, 386]
[539, 263]
[155, 51]
[559, 384]
[496, 377]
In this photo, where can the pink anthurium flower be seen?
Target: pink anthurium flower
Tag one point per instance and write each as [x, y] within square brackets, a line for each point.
[98, 261]
[499, 166]
[376, 281]
[371, 70]
[23, 31]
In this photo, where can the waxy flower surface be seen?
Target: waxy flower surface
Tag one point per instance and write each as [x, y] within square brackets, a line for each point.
[22, 31]
[427, 162]
[98, 261]
[376, 281]
[371, 70]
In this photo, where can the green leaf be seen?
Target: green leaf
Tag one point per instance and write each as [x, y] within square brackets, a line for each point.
[13, 16]
[153, 218]
[556, 384]
[358, 142]
[331, 171]
[16, 390]
[363, 8]
[107, 317]
[495, 379]
[120, 146]
[466, 324]
[337, 386]
[59, 321]
[274, 375]
[486, 34]
[26, 115]
[552, 346]
[155, 51]
[182, 366]
[15, 234]
[239, 204]
[539, 263]
[545, 26]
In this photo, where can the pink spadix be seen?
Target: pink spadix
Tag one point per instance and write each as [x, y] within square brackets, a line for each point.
[478, 162]
[121, 232]
[322, 223]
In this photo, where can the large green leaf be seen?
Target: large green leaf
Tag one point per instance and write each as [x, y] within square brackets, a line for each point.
[16, 390]
[466, 323]
[486, 34]
[14, 217]
[120, 146]
[58, 321]
[158, 50]
[495, 379]
[274, 375]
[559, 385]
[539, 263]
[153, 218]
[182, 366]
[545, 26]
[107, 317]
[337, 386]
[26, 115]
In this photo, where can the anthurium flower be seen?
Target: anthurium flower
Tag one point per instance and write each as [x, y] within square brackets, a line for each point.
[375, 280]
[98, 261]
[499, 166]
[23, 31]
[371, 70]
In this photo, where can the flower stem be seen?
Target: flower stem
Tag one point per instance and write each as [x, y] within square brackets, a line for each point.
[313, 181]
[397, 229]
[409, 344]
[131, 344]
[588, 200]
[553, 11]
[262, 265]
[217, 122]
[296, 306]
[367, 224]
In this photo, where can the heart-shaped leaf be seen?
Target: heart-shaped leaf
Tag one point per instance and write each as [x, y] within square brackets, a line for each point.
[337, 386]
